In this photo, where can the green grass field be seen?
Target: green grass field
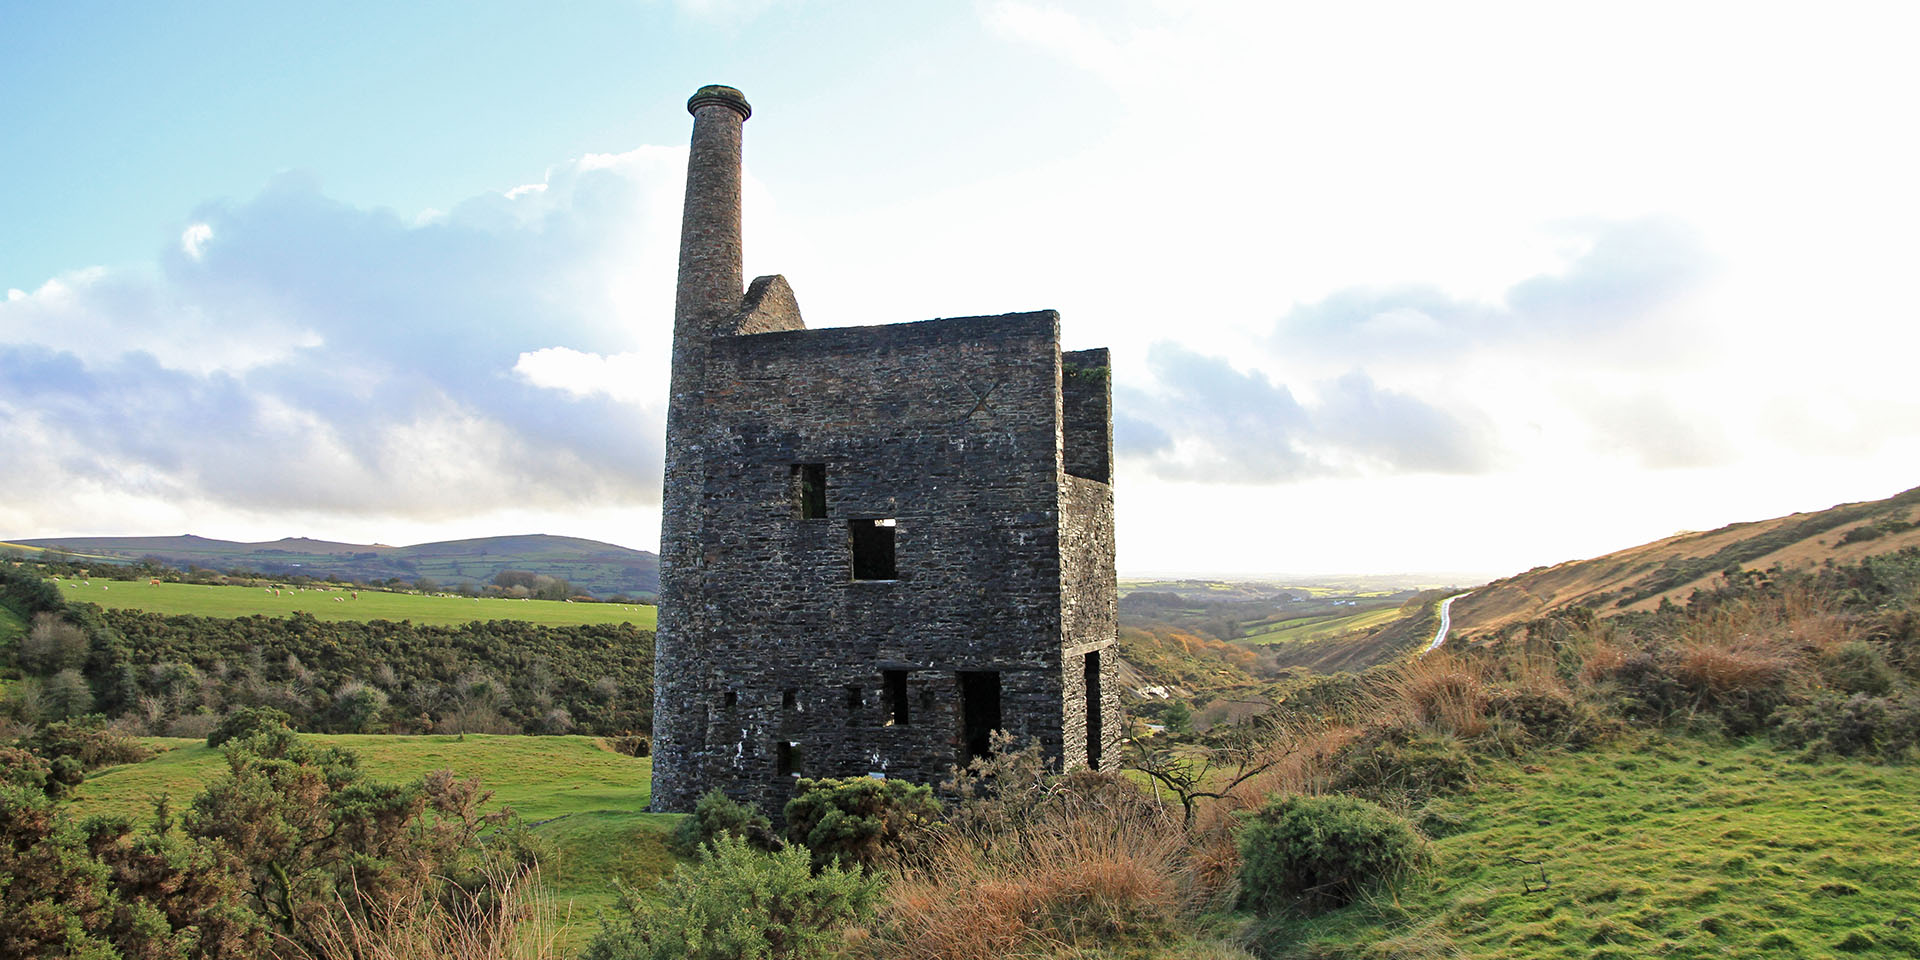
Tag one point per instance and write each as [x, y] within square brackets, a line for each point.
[589, 802]
[1303, 629]
[233, 601]
[1656, 847]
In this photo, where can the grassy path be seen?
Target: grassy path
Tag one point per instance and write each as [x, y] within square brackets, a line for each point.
[230, 601]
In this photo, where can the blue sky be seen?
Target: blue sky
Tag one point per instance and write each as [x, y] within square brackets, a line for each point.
[1390, 287]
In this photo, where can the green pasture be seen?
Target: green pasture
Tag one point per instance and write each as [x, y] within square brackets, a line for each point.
[340, 604]
[1656, 847]
[24, 551]
[586, 801]
[1304, 629]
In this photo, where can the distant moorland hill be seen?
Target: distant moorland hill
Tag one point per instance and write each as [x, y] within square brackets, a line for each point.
[1639, 578]
[601, 569]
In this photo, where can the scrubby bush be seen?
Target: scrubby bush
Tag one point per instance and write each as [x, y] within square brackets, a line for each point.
[736, 902]
[859, 820]
[1401, 763]
[1857, 725]
[635, 745]
[88, 742]
[1313, 854]
[1858, 667]
[52, 645]
[243, 722]
[717, 815]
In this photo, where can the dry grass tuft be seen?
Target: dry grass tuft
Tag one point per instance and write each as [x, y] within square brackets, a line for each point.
[510, 917]
[1075, 883]
[1443, 690]
[1722, 671]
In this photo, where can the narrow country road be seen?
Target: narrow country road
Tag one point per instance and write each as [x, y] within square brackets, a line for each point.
[1446, 621]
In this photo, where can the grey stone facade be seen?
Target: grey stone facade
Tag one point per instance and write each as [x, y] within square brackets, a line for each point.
[878, 543]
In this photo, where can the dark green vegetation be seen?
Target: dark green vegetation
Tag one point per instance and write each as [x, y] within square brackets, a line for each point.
[586, 803]
[179, 674]
[292, 841]
[1311, 854]
[601, 569]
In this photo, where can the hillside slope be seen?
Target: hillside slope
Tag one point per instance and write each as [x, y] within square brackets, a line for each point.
[602, 569]
[1639, 578]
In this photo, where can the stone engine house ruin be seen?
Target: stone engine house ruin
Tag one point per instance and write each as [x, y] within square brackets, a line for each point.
[878, 543]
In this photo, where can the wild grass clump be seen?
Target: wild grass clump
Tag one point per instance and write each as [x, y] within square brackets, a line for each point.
[509, 916]
[1040, 865]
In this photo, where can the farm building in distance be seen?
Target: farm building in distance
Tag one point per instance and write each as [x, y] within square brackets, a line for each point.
[878, 543]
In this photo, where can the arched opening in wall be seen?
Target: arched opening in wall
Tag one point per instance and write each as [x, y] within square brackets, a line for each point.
[979, 712]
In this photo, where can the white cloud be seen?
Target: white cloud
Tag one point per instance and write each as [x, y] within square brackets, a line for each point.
[323, 360]
[194, 239]
[633, 377]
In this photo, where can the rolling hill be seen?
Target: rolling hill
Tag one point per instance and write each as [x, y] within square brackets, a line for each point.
[601, 569]
[1639, 578]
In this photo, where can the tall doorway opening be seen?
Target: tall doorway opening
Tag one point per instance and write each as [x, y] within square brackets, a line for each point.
[1092, 683]
[979, 712]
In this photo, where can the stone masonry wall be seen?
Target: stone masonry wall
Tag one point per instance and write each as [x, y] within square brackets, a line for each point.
[949, 428]
[1089, 610]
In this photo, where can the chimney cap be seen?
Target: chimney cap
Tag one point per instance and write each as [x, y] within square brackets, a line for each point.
[725, 96]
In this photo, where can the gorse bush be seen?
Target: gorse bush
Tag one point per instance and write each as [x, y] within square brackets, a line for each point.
[716, 815]
[1311, 854]
[244, 722]
[87, 741]
[860, 820]
[291, 842]
[738, 903]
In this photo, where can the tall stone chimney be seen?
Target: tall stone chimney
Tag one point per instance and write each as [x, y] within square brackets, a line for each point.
[709, 294]
[711, 279]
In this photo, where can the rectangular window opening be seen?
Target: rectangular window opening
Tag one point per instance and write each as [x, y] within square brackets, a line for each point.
[872, 548]
[979, 712]
[897, 712]
[853, 697]
[807, 487]
[790, 699]
[788, 760]
[1092, 676]
[729, 698]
